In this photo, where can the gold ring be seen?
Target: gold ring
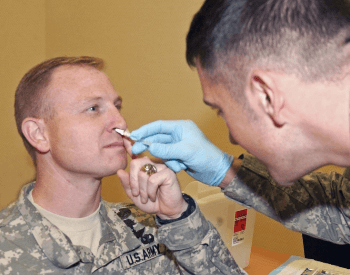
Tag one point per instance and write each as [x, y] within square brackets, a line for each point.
[150, 169]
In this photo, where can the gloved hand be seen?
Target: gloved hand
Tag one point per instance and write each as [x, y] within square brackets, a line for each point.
[183, 146]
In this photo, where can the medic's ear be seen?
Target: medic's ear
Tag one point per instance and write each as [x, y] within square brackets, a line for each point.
[265, 90]
[34, 131]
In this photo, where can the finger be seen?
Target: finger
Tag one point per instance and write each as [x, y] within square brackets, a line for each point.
[135, 167]
[150, 129]
[124, 178]
[145, 181]
[161, 181]
[167, 151]
[138, 148]
[134, 182]
[143, 185]
[175, 165]
[128, 146]
[154, 181]
[160, 138]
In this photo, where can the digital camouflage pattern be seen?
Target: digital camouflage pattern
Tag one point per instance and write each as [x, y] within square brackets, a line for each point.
[183, 238]
[30, 244]
[317, 204]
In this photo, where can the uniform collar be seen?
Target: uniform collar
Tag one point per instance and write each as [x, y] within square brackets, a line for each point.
[51, 240]
[117, 237]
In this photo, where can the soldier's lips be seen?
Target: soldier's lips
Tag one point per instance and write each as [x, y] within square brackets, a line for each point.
[115, 144]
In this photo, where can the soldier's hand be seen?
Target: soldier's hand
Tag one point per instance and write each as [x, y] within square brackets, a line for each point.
[158, 193]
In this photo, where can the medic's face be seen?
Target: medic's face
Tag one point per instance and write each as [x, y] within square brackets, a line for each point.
[251, 129]
[239, 122]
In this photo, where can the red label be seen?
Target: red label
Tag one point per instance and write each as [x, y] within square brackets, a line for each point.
[241, 213]
[240, 220]
[240, 225]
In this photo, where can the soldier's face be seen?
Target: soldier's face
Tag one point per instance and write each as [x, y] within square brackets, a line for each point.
[86, 109]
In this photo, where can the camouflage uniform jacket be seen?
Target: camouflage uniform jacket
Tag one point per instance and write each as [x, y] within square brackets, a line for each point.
[130, 244]
[317, 204]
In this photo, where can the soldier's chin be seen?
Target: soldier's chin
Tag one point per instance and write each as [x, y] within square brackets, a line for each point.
[121, 165]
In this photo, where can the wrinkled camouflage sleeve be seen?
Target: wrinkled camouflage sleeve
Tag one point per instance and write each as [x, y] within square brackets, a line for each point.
[197, 246]
[317, 204]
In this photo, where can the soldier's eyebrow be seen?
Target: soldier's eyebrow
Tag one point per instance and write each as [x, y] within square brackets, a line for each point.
[89, 99]
[99, 98]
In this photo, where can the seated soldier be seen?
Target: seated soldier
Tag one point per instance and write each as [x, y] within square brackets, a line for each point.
[66, 112]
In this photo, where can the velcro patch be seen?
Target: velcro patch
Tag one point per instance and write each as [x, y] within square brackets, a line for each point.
[142, 255]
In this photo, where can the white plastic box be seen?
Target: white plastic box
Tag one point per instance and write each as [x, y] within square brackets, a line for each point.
[234, 222]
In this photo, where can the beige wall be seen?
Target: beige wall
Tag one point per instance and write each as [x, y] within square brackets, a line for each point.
[143, 44]
[22, 32]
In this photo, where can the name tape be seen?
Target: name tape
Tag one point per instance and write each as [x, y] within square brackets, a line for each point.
[142, 255]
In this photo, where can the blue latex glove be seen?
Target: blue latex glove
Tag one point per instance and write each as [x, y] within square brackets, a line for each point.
[183, 146]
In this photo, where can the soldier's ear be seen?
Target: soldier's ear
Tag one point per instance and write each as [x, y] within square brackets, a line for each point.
[34, 130]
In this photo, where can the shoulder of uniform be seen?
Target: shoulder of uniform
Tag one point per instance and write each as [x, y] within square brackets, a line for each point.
[8, 214]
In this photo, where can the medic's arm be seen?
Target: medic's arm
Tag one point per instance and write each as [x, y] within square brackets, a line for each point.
[317, 204]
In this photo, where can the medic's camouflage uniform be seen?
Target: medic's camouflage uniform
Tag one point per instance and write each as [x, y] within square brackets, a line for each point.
[30, 244]
[317, 204]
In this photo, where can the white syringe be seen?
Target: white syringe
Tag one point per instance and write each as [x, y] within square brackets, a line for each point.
[126, 133]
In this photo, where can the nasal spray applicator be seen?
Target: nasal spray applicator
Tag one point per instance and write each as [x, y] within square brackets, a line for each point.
[126, 133]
